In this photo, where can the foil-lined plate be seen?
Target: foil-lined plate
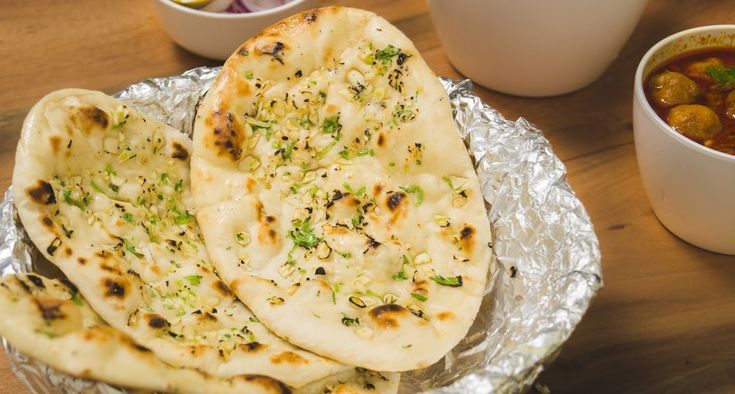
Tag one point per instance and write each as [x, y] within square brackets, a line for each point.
[546, 266]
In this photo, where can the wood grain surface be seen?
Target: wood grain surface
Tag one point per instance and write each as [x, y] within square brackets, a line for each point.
[665, 320]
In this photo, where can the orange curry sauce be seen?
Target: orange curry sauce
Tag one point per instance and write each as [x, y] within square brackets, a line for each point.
[710, 95]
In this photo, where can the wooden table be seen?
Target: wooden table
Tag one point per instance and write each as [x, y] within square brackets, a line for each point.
[665, 320]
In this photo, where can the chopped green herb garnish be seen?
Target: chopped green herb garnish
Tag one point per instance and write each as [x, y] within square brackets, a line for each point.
[113, 187]
[417, 190]
[164, 178]
[348, 321]
[182, 217]
[386, 55]
[287, 152]
[179, 186]
[346, 255]
[303, 234]
[723, 75]
[128, 217]
[400, 275]
[363, 152]
[248, 75]
[357, 219]
[195, 280]
[74, 297]
[71, 201]
[130, 248]
[96, 187]
[359, 192]
[109, 170]
[332, 126]
[453, 281]
[326, 150]
[403, 114]
[419, 297]
[345, 153]
[306, 123]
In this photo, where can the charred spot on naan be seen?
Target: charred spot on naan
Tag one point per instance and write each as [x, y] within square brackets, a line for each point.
[21, 285]
[115, 287]
[267, 383]
[250, 185]
[38, 282]
[206, 317]
[387, 316]
[50, 308]
[397, 203]
[222, 288]
[70, 286]
[467, 238]
[89, 117]
[55, 141]
[198, 350]
[252, 347]
[59, 316]
[227, 134]
[156, 321]
[381, 139]
[266, 234]
[179, 152]
[141, 348]
[274, 49]
[42, 193]
[378, 188]
[47, 222]
[445, 315]
[288, 357]
[110, 265]
[310, 16]
[395, 200]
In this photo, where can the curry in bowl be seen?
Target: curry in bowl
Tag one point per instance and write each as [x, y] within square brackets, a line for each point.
[694, 93]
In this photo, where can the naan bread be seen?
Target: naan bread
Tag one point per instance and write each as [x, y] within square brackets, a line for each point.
[103, 191]
[48, 320]
[335, 195]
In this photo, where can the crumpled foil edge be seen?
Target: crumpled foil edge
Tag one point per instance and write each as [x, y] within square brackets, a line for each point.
[546, 266]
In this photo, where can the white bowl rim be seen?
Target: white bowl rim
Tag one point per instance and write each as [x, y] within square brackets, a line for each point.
[647, 106]
[225, 15]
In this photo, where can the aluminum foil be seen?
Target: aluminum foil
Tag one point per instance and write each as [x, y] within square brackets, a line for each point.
[546, 266]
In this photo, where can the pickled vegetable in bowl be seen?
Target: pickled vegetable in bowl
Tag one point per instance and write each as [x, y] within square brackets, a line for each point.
[694, 93]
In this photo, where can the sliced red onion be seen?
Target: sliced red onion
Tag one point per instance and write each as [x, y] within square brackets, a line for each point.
[237, 7]
[260, 5]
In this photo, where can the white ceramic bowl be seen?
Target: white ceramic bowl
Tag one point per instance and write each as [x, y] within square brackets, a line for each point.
[217, 35]
[691, 187]
[532, 47]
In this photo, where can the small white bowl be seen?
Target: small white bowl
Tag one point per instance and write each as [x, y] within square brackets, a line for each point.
[530, 47]
[691, 187]
[216, 35]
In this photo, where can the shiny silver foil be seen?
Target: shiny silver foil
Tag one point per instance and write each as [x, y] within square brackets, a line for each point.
[546, 266]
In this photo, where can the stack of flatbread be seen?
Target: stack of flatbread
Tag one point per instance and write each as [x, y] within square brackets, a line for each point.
[323, 232]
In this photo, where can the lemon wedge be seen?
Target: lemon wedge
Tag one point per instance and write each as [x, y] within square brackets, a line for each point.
[193, 3]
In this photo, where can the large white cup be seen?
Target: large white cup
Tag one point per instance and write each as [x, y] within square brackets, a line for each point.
[534, 47]
[691, 187]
